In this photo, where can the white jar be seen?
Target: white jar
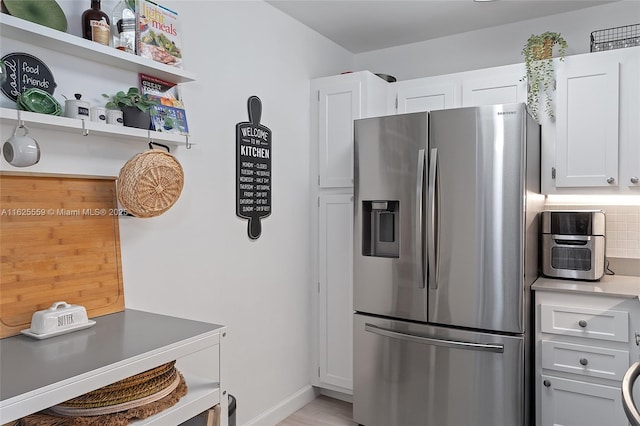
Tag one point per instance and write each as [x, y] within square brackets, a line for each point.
[114, 116]
[75, 108]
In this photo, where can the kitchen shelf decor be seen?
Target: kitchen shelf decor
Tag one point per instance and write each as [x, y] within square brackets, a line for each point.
[538, 52]
[48, 38]
[88, 128]
[615, 38]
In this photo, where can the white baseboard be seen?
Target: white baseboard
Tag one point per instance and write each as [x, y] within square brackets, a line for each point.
[337, 395]
[284, 409]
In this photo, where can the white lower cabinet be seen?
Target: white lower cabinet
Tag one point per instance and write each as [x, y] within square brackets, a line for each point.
[567, 402]
[335, 290]
[584, 345]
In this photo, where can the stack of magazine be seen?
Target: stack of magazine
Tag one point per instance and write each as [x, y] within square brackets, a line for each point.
[158, 33]
[169, 114]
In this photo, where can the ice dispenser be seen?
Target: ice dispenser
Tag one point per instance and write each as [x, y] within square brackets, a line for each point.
[380, 228]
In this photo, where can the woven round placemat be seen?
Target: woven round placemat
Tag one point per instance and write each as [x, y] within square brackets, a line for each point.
[123, 392]
[150, 183]
[122, 418]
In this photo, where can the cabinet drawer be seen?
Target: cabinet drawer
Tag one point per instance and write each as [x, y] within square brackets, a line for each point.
[585, 360]
[574, 403]
[585, 322]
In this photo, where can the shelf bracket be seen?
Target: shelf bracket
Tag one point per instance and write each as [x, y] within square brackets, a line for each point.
[85, 131]
[20, 121]
[186, 139]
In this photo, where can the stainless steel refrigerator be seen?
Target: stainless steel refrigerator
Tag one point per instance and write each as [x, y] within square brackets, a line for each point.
[446, 247]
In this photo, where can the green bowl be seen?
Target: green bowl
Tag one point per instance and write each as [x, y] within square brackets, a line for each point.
[37, 100]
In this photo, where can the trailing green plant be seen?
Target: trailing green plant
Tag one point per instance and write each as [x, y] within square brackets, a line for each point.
[538, 52]
[132, 98]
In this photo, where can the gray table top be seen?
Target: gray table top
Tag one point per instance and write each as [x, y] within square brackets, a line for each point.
[27, 364]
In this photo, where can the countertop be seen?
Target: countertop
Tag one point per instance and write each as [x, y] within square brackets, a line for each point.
[609, 285]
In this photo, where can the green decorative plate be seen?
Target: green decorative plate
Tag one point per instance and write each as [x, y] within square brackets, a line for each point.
[43, 12]
[37, 100]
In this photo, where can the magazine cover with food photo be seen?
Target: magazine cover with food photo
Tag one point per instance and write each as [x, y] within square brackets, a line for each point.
[169, 115]
[158, 33]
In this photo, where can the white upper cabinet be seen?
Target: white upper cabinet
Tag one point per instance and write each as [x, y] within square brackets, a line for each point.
[493, 90]
[592, 147]
[425, 97]
[340, 100]
[587, 122]
[490, 86]
[339, 106]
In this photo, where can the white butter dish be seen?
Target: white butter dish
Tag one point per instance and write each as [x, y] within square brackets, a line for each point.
[60, 316]
[30, 333]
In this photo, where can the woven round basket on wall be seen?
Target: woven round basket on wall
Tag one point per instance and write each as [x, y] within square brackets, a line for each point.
[150, 183]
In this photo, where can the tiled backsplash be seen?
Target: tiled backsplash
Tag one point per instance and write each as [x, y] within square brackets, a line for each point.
[622, 227]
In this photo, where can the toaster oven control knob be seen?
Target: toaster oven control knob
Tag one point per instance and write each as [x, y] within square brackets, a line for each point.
[611, 180]
[584, 361]
[546, 383]
[634, 179]
[582, 323]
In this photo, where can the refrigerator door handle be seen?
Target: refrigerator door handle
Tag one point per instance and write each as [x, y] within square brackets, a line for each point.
[483, 347]
[431, 249]
[417, 241]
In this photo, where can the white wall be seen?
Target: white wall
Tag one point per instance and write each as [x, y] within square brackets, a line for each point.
[495, 46]
[196, 261]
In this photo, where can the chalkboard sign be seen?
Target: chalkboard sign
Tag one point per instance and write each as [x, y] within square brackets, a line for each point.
[25, 71]
[253, 169]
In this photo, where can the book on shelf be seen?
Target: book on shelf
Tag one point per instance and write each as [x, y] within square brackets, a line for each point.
[169, 115]
[158, 33]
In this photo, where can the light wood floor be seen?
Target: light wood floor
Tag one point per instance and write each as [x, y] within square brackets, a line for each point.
[322, 411]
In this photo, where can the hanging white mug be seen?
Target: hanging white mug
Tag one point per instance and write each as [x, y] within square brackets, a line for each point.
[21, 150]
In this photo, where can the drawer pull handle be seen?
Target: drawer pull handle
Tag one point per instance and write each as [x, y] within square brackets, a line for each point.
[582, 323]
[584, 361]
[546, 383]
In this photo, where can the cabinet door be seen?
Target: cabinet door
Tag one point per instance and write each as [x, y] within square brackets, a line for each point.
[339, 105]
[587, 123]
[574, 403]
[502, 89]
[336, 290]
[629, 123]
[425, 98]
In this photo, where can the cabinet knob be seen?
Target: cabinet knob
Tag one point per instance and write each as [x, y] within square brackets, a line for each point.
[610, 180]
[634, 179]
[582, 323]
[584, 361]
[546, 383]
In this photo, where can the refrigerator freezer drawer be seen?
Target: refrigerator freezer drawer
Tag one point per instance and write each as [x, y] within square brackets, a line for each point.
[410, 374]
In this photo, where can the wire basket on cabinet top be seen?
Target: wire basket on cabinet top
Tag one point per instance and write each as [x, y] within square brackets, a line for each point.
[615, 38]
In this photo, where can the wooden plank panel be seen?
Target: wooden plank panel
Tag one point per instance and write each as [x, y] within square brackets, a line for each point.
[59, 240]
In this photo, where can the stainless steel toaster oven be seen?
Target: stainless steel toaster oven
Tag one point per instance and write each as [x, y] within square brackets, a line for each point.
[573, 244]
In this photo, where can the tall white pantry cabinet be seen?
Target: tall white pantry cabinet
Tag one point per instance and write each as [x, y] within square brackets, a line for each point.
[335, 102]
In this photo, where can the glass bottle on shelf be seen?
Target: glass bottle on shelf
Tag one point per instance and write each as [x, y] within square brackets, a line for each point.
[95, 24]
[123, 26]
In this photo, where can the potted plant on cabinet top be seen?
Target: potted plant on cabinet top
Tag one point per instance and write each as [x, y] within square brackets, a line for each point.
[135, 107]
[538, 54]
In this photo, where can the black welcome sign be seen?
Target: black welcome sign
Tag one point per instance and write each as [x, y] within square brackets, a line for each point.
[253, 169]
[25, 71]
